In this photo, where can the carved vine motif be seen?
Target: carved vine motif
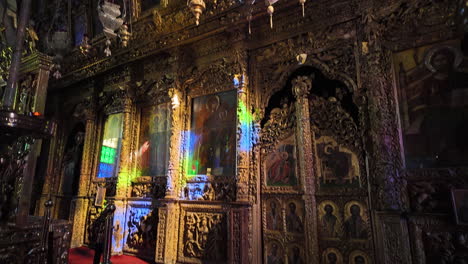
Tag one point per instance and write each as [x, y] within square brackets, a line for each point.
[92, 223]
[331, 119]
[205, 236]
[5, 60]
[278, 126]
[397, 22]
[115, 101]
[331, 50]
[85, 109]
[150, 90]
[141, 230]
[12, 163]
[215, 79]
[383, 132]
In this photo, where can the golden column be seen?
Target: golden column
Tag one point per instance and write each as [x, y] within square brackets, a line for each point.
[168, 227]
[82, 201]
[126, 173]
[301, 86]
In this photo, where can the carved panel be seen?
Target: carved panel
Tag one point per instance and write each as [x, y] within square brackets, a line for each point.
[429, 189]
[344, 227]
[203, 235]
[435, 239]
[149, 187]
[283, 222]
[141, 225]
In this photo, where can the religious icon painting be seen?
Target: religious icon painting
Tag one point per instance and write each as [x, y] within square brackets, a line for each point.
[295, 254]
[433, 99]
[155, 131]
[275, 253]
[280, 165]
[330, 221]
[460, 205]
[356, 225]
[212, 147]
[332, 256]
[294, 217]
[274, 221]
[337, 165]
[358, 257]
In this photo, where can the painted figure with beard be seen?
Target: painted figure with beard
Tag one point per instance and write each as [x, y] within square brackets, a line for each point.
[293, 221]
[355, 227]
[434, 101]
[329, 223]
[274, 218]
[295, 257]
[273, 257]
[332, 258]
[359, 260]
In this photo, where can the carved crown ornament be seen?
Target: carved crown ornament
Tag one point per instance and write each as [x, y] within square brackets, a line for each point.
[151, 90]
[85, 109]
[330, 118]
[114, 101]
[216, 78]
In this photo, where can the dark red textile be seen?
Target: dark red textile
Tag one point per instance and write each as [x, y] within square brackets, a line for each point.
[84, 255]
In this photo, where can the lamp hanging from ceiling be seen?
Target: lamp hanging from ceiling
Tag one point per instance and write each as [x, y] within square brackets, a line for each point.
[271, 10]
[197, 7]
[302, 2]
[59, 45]
[111, 19]
[58, 42]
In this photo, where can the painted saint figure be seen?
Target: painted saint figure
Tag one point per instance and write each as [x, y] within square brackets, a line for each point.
[359, 260]
[273, 257]
[434, 108]
[293, 221]
[355, 227]
[281, 166]
[295, 257]
[274, 218]
[329, 222]
[280, 169]
[332, 258]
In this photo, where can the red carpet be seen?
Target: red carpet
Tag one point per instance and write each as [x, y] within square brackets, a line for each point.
[84, 255]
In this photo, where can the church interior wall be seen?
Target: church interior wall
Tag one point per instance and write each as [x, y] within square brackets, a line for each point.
[313, 117]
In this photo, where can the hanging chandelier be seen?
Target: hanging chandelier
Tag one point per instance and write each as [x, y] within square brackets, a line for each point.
[111, 19]
[59, 45]
[57, 39]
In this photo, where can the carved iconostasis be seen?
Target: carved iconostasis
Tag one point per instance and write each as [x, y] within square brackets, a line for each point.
[337, 137]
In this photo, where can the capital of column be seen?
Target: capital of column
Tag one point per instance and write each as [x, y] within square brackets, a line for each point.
[301, 86]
